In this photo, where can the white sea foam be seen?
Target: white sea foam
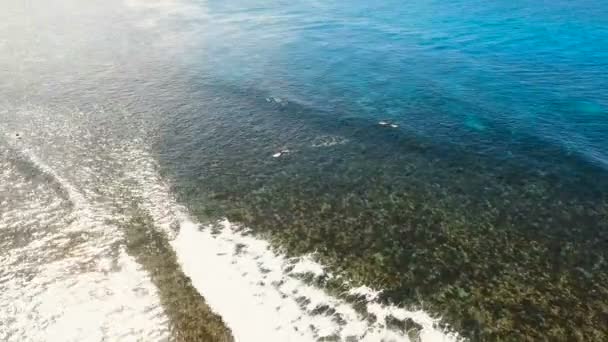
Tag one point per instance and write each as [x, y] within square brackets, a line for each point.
[262, 297]
[328, 141]
[65, 273]
[61, 303]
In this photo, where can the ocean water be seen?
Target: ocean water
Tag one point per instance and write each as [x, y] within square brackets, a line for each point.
[303, 170]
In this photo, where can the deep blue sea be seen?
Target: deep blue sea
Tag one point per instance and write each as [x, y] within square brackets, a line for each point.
[441, 69]
[315, 170]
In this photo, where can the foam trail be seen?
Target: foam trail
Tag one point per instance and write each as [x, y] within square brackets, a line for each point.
[65, 273]
[261, 296]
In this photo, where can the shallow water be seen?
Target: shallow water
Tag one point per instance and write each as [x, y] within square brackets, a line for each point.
[484, 206]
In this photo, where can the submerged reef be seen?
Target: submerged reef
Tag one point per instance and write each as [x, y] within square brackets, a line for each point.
[503, 246]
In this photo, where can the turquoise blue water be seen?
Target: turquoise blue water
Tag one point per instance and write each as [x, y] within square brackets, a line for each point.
[440, 69]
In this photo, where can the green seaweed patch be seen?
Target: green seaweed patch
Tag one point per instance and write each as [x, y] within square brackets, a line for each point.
[190, 317]
[407, 326]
